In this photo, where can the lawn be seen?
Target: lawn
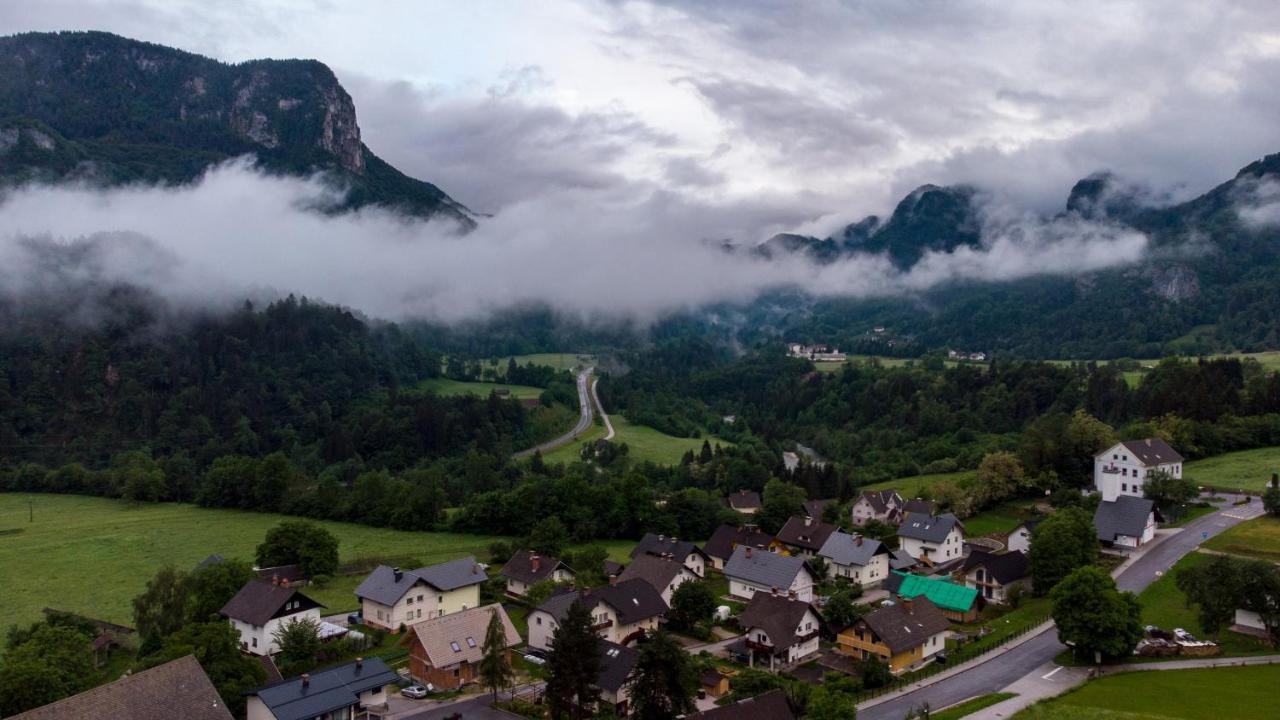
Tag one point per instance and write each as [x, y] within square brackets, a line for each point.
[1247, 470]
[1165, 606]
[999, 520]
[1030, 613]
[92, 555]
[1258, 538]
[559, 361]
[450, 388]
[1241, 693]
[643, 443]
[973, 705]
[918, 486]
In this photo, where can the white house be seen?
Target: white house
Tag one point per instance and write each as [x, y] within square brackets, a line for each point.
[862, 560]
[391, 598]
[345, 692]
[527, 568]
[994, 575]
[662, 573]
[1251, 622]
[666, 546]
[1122, 468]
[779, 629]
[623, 611]
[751, 571]
[1126, 521]
[931, 540]
[260, 608]
[875, 505]
[1019, 538]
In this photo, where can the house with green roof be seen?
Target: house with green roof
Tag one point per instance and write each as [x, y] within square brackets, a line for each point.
[957, 602]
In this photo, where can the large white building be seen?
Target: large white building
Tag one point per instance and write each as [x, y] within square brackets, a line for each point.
[1122, 468]
[930, 539]
[261, 608]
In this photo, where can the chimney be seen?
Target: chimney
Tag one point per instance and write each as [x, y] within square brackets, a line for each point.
[613, 580]
[535, 562]
[306, 679]
[275, 579]
[774, 591]
[808, 521]
[857, 540]
[791, 594]
[907, 604]
[748, 552]
[1148, 442]
[359, 663]
[396, 572]
[662, 538]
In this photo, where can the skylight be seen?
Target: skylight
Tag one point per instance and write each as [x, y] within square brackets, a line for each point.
[456, 647]
[471, 642]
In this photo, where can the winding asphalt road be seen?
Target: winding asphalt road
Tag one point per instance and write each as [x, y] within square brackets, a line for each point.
[999, 670]
[587, 413]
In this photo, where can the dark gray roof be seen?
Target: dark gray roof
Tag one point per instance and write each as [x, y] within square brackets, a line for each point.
[764, 568]
[617, 662]
[177, 689]
[916, 505]
[1126, 515]
[727, 537]
[1151, 451]
[258, 601]
[632, 600]
[845, 549]
[880, 500]
[805, 532]
[906, 624]
[520, 567]
[814, 508]
[777, 615]
[325, 691]
[927, 527]
[744, 500]
[213, 559]
[657, 571]
[652, 544]
[768, 706]
[1005, 568]
[901, 560]
[383, 587]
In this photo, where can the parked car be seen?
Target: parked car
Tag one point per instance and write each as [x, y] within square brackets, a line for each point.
[1183, 635]
[417, 692]
[353, 619]
[537, 657]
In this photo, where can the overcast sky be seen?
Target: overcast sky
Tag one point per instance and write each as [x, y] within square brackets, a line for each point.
[775, 115]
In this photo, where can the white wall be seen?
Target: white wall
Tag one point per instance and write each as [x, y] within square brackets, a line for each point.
[419, 603]
[950, 548]
[1250, 619]
[1019, 540]
[865, 575]
[1130, 476]
[260, 639]
[802, 586]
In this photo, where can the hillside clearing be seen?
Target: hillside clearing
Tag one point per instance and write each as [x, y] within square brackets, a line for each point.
[1241, 693]
[1247, 470]
[643, 443]
[452, 388]
[1259, 538]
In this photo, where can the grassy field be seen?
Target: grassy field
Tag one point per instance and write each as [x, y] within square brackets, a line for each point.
[1164, 605]
[998, 520]
[1247, 470]
[1258, 538]
[969, 707]
[1240, 693]
[92, 555]
[450, 388]
[559, 361]
[643, 443]
[912, 487]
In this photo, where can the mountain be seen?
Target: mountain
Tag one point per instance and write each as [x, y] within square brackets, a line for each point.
[109, 110]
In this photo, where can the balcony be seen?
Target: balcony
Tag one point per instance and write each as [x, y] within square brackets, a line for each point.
[602, 626]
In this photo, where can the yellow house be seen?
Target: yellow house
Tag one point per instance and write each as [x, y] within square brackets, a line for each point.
[391, 598]
[904, 635]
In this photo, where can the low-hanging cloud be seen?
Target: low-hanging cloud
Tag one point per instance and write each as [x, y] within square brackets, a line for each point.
[1258, 203]
[238, 233]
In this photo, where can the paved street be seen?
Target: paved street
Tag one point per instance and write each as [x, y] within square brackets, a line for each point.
[1001, 669]
[586, 412]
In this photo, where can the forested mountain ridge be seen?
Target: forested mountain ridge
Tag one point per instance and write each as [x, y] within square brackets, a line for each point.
[106, 109]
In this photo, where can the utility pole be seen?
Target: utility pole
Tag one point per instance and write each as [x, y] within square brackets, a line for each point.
[31, 511]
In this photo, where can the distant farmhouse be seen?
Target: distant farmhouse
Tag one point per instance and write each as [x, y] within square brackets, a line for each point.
[962, 355]
[1121, 469]
[816, 353]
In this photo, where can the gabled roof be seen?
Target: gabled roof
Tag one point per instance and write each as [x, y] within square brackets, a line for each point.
[520, 567]
[258, 601]
[764, 569]
[1126, 515]
[283, 573]
[1149, 451]
[777, 615]
[213, 559]
[905, 625]
[918, 506]
[943, 593]
[881, 500]
[652, 544]
[657, 571]
[805, 532]
[176, 689]
[768, 706]
[617, 662]
[728, 537]
[814, 508]
[632, 600]
[459, 637]
[1028, 524]
[901, 560]
[384, 587]
[323, 691]
[1006, 568]
[927, 527]
[744, 500]
[845, 549]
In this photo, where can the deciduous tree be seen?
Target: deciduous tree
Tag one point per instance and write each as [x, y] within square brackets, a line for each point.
[1093, 616]
[1066, 540]
[311, 547]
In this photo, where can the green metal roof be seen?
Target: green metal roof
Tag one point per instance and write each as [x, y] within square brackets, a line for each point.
[946, 595]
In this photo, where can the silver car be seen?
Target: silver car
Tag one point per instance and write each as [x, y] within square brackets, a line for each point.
[417, 692]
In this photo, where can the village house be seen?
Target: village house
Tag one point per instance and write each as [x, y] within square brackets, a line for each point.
[815, 508]
[803, 536]
[728, 538]
[863, 561]
[875, 505]
[1251, 622]
[353, 691]
[682, 551]
[816, 353]
[746, 502]
[932, 540]
[779, 630]
[1126, 521]
[993, 575]
[391, 598]
[527, 568]
[753, 571]
[662, 573]
[177, 689]
[1019, 538]
[1122, 468]
[617, 673]
[904, 635]
[445, 651]
[623, 612]
[957, 602]
[261, 608]
[772, 705]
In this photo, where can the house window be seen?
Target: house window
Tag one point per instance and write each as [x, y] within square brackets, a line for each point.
[539, 621]
[409, 601]
[419, 598]
[255, 642]
[1124, 472]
